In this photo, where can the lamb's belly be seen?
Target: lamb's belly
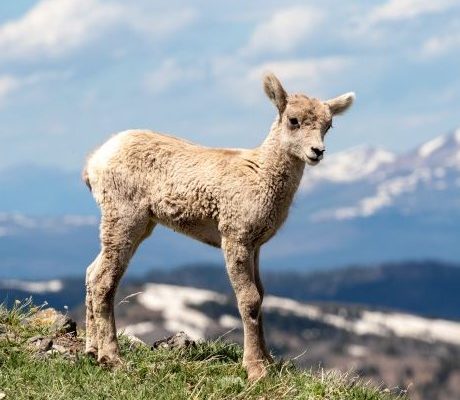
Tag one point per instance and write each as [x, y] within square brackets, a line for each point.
[204, 230]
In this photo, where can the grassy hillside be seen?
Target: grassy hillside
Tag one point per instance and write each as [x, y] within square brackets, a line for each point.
[210, 370]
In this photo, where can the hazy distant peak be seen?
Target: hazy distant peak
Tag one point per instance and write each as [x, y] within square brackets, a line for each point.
[363, 161]
[457, 135]
[432, 145]
[442, 151]
[15, 223]
[391, 180]
[348, 166]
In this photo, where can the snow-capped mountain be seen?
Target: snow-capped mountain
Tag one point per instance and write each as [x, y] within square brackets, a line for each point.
[347, 166]
[440, 152]
[374, 164]
[386, 180]
[184, 309]
[363, 205]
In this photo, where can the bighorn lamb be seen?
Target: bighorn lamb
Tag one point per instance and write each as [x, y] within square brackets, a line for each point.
[235, 199]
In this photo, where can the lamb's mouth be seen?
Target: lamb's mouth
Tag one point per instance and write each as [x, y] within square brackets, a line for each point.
[313, 160]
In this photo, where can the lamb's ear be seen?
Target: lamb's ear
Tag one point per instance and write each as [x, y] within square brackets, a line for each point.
[275, 91]
[341, 104]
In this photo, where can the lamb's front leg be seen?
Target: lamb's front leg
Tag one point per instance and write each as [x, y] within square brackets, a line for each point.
[260, 288]
[240, 260]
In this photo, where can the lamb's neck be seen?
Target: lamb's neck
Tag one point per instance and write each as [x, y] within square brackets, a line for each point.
[281, 171]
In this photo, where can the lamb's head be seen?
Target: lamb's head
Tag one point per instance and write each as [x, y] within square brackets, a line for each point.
[304, 121]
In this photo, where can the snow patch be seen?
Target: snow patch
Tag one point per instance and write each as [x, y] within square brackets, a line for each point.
[288, 306]
[429, 147]
[52, 286]
[384, 197]
[457, 135]
[356, 350]
[229, 321]
[374, 322]
[139, 329]
[175, 304]
[348, 166]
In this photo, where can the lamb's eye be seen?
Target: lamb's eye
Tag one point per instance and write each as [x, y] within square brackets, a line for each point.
[294, 122]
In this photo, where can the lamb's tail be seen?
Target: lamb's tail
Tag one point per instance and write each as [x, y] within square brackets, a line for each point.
[85, 177]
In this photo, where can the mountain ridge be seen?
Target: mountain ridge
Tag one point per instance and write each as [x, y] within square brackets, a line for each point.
[426, 288]
[374, 207]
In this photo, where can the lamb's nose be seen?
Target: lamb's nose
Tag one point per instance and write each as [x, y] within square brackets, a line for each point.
[318, 151]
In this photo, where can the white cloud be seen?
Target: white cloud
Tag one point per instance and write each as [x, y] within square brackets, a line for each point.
[284, 31]
[170, 73]
[54, 27]
[269, 48]
[405, 9]
[8, 84]
[440, 45]
[167, 23]
[312, 74]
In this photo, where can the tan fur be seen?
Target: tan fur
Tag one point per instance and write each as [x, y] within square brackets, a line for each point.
[229, 198]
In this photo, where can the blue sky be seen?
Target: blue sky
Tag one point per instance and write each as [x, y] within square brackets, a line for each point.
[74, 71]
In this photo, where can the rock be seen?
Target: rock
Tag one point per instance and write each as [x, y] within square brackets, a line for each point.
[65, 325]
[134, 340]
[178, 341]
[60, 349]
[45, 344]
[69, 344]
[34, 339]
[58, 322]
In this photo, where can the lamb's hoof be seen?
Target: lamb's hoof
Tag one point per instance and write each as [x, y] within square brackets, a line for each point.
[91, 352]
[256, 370]
[110, 361]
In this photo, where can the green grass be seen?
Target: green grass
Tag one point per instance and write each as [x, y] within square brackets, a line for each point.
[211, 370]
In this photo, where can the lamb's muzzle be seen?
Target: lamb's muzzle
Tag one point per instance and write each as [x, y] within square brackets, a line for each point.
[235, 199]
[318, 152]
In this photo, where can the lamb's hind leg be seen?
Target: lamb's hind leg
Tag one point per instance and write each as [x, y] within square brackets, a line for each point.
[120, 237]
[91, 331]
[239, 259]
